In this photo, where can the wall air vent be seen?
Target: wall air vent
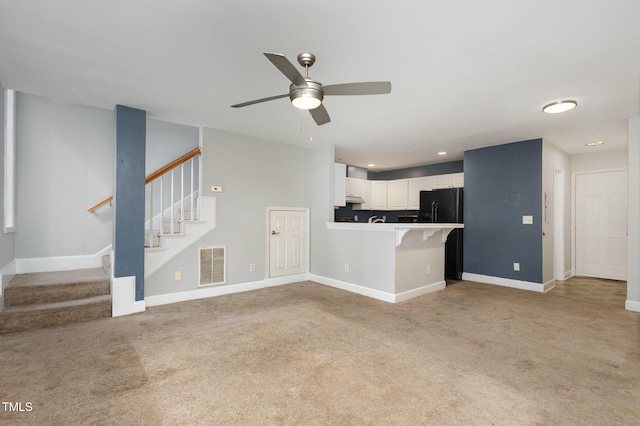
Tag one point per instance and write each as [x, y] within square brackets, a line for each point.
[212, 266]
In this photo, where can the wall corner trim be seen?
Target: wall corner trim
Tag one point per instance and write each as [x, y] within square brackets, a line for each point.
[123, 297]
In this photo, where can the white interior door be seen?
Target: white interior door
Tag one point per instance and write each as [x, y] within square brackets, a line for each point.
[601, 225]
[288, 242]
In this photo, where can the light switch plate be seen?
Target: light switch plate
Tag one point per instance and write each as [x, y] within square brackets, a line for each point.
[527, 220]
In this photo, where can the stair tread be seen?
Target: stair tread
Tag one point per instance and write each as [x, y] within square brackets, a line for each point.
[65, 304]
[59, 277]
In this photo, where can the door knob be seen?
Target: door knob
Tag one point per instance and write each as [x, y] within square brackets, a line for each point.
[274, 232]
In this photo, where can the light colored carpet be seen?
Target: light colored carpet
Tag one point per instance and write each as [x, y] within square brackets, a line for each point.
[309, 354]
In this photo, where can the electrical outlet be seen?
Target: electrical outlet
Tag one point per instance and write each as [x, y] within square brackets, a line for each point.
[178, 275]
[216, 189]
[516, 266]
[252, 267]
[428, 269]
[346, 267]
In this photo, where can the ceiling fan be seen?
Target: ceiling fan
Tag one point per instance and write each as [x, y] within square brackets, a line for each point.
[306, 93]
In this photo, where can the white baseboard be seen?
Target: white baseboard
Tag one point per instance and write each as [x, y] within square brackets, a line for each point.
[202, 293]
[354, 288]
[61, 263]
[429, 288]
[505, 282]
[221, 290]
[286, 279]
[123, 297]
[632, 305]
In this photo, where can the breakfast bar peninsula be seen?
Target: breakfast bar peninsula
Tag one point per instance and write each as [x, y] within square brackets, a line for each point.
[389, 261]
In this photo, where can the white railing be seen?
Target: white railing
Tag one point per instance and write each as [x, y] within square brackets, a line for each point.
[183, 189]
[175, 193]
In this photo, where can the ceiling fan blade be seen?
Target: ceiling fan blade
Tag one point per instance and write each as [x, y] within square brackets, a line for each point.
[367, 88]
[286, 68]
[257, 101]
[320, 115]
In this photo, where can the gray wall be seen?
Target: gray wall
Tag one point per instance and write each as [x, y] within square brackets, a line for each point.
[168, 141]
[426, 170]
[7, 241]
[255, 174]
[64, 165]
[503, 183]
[320, 194]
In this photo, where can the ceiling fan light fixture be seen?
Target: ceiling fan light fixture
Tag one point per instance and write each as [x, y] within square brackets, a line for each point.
[306, 97]
[306, 102]
[559, 106]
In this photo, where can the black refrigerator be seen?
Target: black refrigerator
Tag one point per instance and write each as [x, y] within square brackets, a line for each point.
[445, 206]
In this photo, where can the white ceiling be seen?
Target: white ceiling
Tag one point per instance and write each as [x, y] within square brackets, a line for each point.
[465, 74]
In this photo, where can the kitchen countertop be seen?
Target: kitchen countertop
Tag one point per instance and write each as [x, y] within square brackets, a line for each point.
[401, 229]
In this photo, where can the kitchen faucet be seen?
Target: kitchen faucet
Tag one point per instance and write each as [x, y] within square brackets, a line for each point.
[372, 218]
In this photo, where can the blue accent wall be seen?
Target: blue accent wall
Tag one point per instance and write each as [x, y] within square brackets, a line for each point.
[419, 171]
[502, 184]
[128, 201]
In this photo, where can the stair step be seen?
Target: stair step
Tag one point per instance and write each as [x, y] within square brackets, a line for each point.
[44, 315]
[47, 287]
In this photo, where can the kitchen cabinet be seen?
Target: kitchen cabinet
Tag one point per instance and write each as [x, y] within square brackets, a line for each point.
[416, 185]
[354, 187]
[452, 180]
[340, 177]
[458, 180]
[366, 195]
[397, 191]
[378, 195]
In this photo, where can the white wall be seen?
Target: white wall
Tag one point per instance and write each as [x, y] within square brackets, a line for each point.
[7, 241]
[633, 271]
[554, 159]
[65, 155]
[255, 174]
[599, 160]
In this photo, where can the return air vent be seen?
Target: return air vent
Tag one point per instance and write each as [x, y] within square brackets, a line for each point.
[212, 265]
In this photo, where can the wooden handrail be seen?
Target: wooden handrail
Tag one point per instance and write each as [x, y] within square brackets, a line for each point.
[154, 175]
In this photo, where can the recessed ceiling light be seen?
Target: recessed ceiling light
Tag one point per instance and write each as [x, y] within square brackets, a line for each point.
[371, 165]
[442, 153]
[559, 106]
[594, 143]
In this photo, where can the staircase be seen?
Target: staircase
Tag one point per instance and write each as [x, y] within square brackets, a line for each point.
[49, 299]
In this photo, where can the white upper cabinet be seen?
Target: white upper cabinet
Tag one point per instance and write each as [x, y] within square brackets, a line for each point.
[452, 180]
[415, 186]
[458, 180]
[354, 187]
[365, 193]
[398, 194]
[378, 195]
[397, 191]
[340, 176]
